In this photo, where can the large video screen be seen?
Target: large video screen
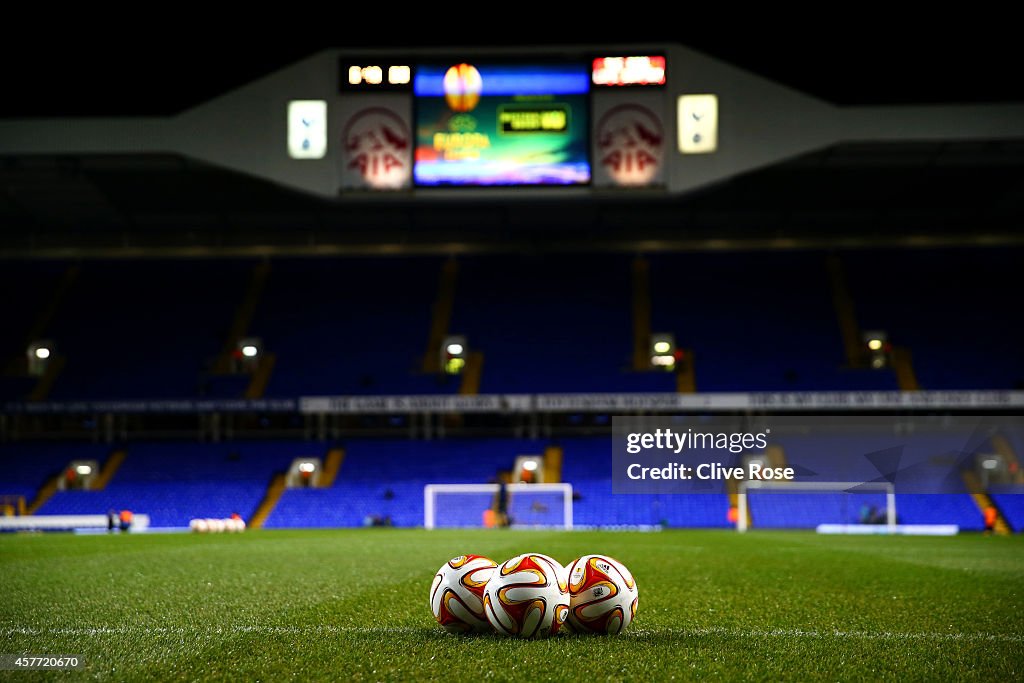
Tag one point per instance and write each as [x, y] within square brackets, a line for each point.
[489, 124]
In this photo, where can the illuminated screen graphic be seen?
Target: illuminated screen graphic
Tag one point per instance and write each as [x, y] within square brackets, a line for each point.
[501, 124]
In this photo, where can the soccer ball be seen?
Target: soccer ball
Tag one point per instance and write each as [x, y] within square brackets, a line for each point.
[198, 525]
[456, 595]
[602, 595]
[527, 597]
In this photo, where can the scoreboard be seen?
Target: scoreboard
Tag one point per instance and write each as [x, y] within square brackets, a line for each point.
[424, 123]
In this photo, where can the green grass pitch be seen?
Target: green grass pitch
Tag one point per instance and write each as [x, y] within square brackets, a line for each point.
[345, 605]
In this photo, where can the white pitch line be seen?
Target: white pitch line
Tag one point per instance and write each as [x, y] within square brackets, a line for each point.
[791, 633]
[819, 634]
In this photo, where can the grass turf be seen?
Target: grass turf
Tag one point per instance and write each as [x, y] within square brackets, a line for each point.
[352, 605]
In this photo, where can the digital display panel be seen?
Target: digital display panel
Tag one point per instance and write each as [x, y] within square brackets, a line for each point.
[630, 71]
[370, 75]
[494, 124]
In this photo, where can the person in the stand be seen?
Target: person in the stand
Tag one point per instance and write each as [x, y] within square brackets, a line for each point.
[111, 521]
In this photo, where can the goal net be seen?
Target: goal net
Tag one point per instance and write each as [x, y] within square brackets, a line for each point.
[795, 505]
[466, 505]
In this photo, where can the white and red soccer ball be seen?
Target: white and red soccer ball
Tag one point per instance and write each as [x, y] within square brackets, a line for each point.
[527, 596]
[603, 596]
[534, 596]
[457, 594]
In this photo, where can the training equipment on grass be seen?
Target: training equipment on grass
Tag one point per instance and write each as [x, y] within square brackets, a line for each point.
[456, 594]
[603, 595]
[527, 596]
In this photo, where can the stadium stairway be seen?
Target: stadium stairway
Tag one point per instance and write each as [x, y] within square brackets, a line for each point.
[903, 367]
[843, 303]
[553, 464]
[332, 464]
[241, 323]
[243, 315]
[41, 391]
[261, 376]
[109, 469]
[641, 276]
[43, 312]
[1002, 446]
[274, 492]
[472, 373]
[42, 322]
[441, 316]
[984, 501]
[44, 494]
[686, 376]
[901, 358]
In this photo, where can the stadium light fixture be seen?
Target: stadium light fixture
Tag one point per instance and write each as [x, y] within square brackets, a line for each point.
[307, 467]
[38, 355]
[530, 465]
[453, 354]
[990, 463]
[663, 350]
[84, 470]
[877, 344]
[248, 352]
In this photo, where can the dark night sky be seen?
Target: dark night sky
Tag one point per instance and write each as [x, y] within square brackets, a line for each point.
[865, 59]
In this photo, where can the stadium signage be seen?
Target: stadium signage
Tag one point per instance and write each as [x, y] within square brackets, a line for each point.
[551, 403]
[630, 143]
[377, 149]
[178, 406]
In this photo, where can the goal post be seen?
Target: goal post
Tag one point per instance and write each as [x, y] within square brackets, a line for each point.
[530, 505]
[779, 487]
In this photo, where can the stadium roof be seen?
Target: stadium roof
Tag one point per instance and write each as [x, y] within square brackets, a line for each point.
[851, 194]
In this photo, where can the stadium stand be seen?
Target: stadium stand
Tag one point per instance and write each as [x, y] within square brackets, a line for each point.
[920, 464]
[175, 482]
[950, 308]
[141, 329]
[386, 478]
[553, 323]
[587, 465]
[351, 326]
[766, 324]
[1009, 498]
[756, 321]
[25, 467]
